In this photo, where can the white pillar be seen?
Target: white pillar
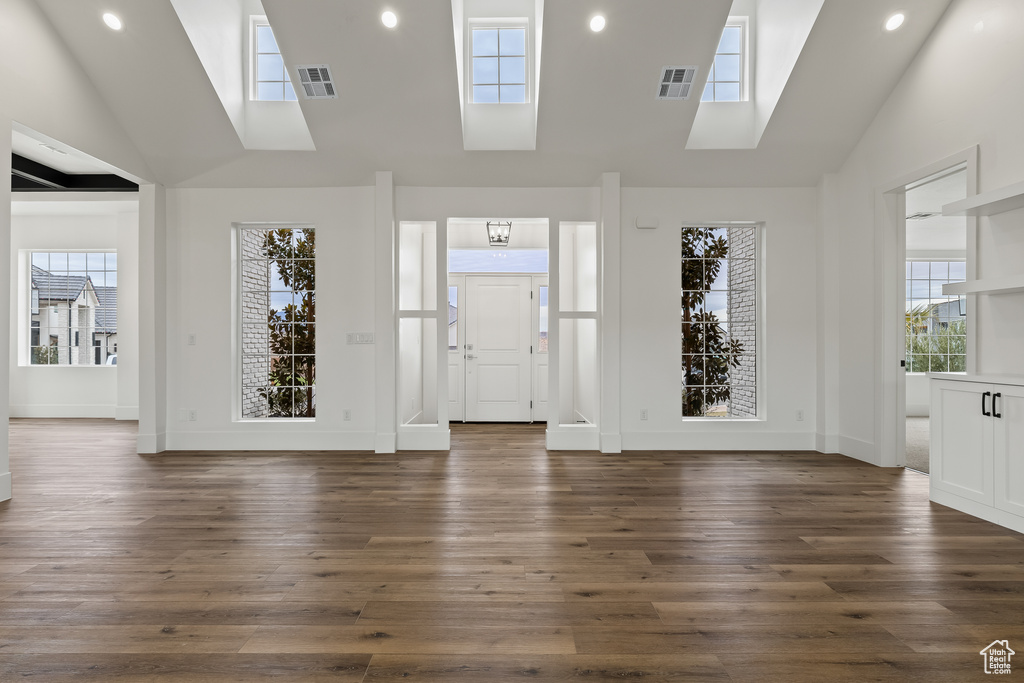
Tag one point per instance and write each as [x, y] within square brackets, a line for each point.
[152, 319]
[609, 276]
[5, 307]
[386, 439]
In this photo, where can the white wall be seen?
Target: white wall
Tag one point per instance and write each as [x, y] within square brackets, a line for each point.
[651, 346]
[201, 299]
[98, 223]
[978, 45]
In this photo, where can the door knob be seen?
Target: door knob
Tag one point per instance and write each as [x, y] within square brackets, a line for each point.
[470, 356]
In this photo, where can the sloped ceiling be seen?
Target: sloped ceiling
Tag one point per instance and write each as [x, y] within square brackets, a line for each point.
[398, 108]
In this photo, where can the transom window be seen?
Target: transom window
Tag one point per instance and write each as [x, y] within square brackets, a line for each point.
[499, 65]
[272, 82]
[278, 305]
[725, 81]
[936, 323]
[719, 321]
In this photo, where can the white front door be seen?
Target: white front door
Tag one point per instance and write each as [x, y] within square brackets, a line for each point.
[498, 338]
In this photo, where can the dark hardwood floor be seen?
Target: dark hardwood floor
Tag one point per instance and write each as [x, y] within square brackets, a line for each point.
[498, 561]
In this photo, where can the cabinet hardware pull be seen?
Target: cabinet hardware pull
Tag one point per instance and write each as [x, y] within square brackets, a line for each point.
[995, 413]
[983, 397]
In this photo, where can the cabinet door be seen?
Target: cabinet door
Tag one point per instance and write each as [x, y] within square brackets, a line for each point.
[961, 441]
[1008, 449]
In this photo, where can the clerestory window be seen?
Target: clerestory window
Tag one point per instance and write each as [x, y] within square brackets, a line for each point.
[499, 65]
[726, 78]
[270, 75]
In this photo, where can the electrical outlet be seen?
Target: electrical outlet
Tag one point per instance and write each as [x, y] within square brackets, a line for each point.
[193, 415]
[191, 339]
[346, 415]
[643, 413]
[799, 416]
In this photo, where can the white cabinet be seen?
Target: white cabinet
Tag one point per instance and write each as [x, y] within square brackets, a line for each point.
[977, 447]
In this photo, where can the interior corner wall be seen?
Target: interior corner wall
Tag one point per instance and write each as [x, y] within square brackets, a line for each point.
[978, 44]
[201, 291]
[650, 327]
[77, 391]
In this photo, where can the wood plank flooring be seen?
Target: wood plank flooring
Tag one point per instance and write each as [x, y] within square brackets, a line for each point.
[498, 561]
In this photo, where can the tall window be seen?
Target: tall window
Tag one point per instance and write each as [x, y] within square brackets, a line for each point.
[73, 308]
[499, 65]
[278, 291]
[719, 316]
[936, 323]
[272, 82]
[725, 81]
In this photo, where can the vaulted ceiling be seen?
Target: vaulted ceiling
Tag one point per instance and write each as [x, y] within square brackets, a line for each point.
[398, 106]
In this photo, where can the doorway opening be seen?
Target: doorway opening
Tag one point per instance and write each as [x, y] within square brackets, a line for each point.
[935, 323]
[497, 322]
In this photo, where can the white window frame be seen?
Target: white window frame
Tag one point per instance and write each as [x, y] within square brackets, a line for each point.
[745, 61]
[256, 21]
[239, 318]
[759, 322]
[498, 23]
[949, 299]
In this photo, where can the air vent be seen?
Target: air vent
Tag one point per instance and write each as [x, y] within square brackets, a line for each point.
[676, 82]
[921, 215]
[317, 82]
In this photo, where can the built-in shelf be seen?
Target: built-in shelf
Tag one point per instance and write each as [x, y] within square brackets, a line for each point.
[988, 203]
[995, 285]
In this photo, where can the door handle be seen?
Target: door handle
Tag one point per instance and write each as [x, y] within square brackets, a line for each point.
[994, 411]
[470, 356]
[983, 411]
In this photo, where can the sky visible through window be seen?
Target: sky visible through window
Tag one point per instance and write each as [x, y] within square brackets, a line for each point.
[724, 81]
[499, 65]
[272, 82]
[497, 260]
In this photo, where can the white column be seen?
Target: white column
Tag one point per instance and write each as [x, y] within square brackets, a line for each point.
[128, 316]
[152, 319]
[609, 281]
[5, 306]
[384, 316]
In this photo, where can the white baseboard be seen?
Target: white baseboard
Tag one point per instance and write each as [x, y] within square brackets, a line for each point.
[718, 441]
[385, 442]
[424, 440]
[151, 443]
[859, 450]
[582, 438]
[62, 410]
[126, 413]
[826, 443]
[918, 410]
[5, 486]
[611, 443]
[269, 440]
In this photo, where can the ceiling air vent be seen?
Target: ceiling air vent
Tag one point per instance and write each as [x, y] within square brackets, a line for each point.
[921, 215]
[676, 82]
[317, 82]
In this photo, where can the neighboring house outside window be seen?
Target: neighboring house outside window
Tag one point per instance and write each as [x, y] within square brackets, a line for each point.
[73, 308]
[936, 334]
[499, 65]
[271, 76]
[719, 321]
[278, 316]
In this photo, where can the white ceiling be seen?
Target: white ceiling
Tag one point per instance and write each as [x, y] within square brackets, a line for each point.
[71, 161]
[398, 107]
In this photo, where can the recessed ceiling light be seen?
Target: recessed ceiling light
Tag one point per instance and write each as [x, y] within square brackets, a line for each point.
[389, 19]
[53, 149]
[894, 22]
[597, 23]
[113, 21]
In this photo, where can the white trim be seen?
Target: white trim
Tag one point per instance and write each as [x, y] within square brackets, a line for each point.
[826, 443]
[128, 413]
[719, 441]
[572, 438]
[55, 410]
[270, 440]
[979, 510]
[5, 486]
[427, 439]
[857, 449]
[890, 297]
[151, 443]
[611, 443]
